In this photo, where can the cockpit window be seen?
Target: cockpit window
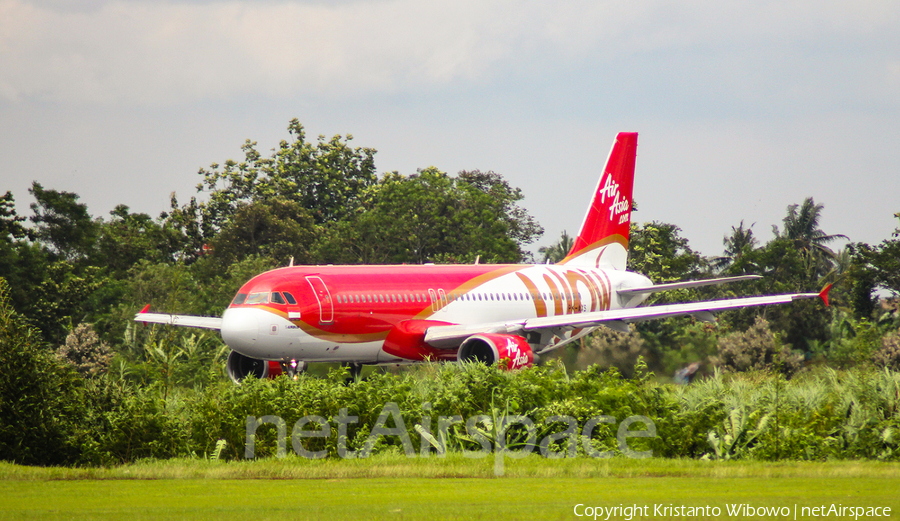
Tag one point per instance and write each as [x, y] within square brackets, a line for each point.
[258, 298]
[276, 298]
[239, 299]
[290, 298]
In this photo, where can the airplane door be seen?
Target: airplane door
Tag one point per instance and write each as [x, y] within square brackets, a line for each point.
[326, 306]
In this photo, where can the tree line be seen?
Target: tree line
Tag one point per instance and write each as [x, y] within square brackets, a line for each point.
[321, 202]
[72, 281]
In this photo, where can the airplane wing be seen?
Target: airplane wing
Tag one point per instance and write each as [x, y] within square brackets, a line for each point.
[617, 319]
[179, 320]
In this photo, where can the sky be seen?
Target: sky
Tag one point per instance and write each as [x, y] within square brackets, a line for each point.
[742, 107]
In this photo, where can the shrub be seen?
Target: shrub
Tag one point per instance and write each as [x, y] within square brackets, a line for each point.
[84, 350]
[756, 349]
[40, 396]
[888, 355]
[609, 348]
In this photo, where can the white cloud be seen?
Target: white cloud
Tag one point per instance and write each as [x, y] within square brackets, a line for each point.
[174, 52]
[161, 52]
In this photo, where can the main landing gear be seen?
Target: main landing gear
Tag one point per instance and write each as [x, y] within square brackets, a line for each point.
[355, 370]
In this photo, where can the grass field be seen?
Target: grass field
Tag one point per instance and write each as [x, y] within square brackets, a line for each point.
[394, 487]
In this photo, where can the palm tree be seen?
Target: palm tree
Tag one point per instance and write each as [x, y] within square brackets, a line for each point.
[737, 245]
[558, 251]
[801, 227]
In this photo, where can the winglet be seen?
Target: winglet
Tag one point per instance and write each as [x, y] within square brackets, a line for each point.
[146, 309]
[824, 294]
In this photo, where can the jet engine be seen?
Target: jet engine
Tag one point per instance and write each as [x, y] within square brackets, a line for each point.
[240, 366]
[489, 348]
[407, 340]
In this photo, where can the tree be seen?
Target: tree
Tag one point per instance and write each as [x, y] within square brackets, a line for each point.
[658, 251]
[10, 223]
[61, 300]
[62, 223]
[558, 251]
[432, 217]
[740, 243]
[40, 397]
[278, 229]
[880, 265]
[128, 238]
[801, 227]
[325, 178]
[21, 262]
[503, 199]
[784, 270]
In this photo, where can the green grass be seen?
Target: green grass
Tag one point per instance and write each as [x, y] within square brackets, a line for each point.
[394, 487]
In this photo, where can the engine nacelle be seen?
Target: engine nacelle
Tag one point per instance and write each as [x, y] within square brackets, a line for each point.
[407, 340]
[491, 348]
[240, 366]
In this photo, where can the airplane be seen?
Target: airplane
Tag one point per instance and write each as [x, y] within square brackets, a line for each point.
[508, 314]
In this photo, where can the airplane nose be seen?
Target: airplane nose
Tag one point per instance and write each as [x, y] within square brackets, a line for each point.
[239, 328]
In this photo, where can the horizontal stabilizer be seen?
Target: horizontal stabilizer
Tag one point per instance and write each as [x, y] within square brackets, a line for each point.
[628, 292]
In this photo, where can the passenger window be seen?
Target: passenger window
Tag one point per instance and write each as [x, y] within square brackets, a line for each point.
[276, 298]
[290, 298]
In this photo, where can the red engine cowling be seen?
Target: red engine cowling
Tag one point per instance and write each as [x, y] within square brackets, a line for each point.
[240, 367]
[488, 348]
[407, 340]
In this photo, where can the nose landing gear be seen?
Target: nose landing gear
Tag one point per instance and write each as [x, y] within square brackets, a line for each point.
[293, 368]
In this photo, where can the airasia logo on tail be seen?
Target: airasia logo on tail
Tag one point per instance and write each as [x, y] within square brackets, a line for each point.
[618, 205]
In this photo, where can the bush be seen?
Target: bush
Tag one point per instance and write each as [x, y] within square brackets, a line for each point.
[888, 355]
[40, 396]
[609, 348]
[84, 350]
[756, 349]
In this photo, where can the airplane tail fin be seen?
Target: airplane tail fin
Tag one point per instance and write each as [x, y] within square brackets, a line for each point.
[603, 239]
